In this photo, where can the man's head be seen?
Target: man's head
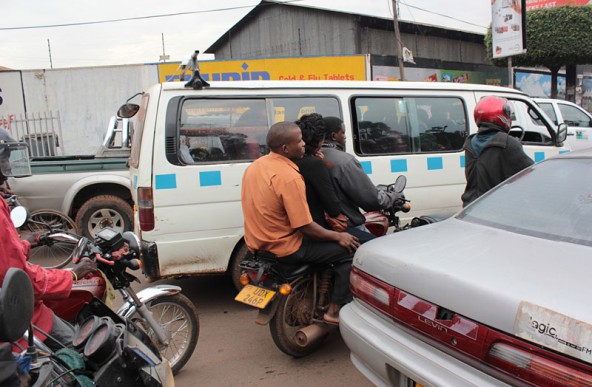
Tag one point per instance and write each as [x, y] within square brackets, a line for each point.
[335, 130]
[285, 138]
[313, 132]
[493, 113]
[14, 157]
[195, 54]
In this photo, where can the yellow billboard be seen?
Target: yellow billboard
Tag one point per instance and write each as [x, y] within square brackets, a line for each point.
[345, 68]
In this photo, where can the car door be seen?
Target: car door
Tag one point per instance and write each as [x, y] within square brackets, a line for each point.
[579, 124]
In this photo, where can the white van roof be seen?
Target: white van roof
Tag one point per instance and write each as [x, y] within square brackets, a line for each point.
[347, 85]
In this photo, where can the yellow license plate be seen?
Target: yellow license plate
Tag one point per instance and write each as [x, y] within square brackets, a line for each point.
[255, 296]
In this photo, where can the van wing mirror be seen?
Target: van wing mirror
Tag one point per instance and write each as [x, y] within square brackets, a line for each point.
[128, 110]
[561, 134]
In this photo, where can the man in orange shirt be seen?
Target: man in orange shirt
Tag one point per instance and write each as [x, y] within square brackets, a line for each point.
[277, 218]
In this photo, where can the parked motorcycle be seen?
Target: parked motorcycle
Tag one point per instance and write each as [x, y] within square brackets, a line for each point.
[168, 317]
[107, 350]
[292, 298]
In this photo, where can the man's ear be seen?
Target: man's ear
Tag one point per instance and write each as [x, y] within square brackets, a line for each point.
[285, 148]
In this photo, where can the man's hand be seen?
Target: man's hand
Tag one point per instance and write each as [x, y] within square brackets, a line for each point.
[33, 238]
[83, 268]
[350, 242]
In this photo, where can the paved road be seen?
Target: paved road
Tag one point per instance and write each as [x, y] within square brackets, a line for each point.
[234, 351]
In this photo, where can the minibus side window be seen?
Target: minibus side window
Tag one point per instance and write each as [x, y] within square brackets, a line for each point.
[291, 109]
[395, 125]
[527, 124]
[224, 130]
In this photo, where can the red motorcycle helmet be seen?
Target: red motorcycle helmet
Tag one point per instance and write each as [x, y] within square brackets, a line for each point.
[494, 112]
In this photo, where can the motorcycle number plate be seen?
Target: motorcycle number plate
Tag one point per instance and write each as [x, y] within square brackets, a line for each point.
[255, 296]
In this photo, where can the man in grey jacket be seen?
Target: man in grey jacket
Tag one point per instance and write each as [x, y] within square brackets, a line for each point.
[353, 186]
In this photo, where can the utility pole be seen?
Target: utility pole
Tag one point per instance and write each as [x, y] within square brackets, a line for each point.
[164, 56]
[398, 40]
[49, 47]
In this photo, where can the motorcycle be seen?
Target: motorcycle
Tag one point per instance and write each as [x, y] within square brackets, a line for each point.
[168, 317]
[293, 298]
[107, 349]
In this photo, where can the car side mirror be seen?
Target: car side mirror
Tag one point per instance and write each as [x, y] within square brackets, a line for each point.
[128, 110]
[561, 134]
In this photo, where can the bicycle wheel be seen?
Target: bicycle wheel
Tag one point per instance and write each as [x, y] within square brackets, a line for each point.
[57, 254]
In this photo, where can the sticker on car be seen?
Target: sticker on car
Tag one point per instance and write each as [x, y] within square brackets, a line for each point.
[554, 330]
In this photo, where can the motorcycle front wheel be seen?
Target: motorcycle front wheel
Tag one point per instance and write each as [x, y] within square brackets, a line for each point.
[177, 315]
[294, 312]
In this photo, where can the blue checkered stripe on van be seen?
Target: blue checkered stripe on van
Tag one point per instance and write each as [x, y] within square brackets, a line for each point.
[214, 178]
[206, 179]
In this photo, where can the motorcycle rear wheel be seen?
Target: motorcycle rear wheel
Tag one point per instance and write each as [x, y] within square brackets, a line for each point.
[178, 316]
[294, 312]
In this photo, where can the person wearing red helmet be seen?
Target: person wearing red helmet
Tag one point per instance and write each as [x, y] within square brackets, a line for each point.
[491, 155]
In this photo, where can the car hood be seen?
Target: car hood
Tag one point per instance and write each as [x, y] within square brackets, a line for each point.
[495, 277]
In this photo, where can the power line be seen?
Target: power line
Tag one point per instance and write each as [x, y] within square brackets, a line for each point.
[442, 15]
[134, 18]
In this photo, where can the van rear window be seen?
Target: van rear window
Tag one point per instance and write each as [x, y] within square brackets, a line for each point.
[392, 125]
[227, 130]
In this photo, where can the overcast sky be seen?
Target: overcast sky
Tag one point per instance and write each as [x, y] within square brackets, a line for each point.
[140, 41]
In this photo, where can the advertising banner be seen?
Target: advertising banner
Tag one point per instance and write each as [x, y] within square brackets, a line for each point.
[536, 4]
[390, 73]
[508, 27]
[343, 68]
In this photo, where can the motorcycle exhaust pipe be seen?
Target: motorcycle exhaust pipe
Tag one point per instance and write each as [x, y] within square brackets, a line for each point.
[308, 335]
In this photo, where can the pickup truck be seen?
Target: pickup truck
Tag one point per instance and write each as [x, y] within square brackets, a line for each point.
[94, 190]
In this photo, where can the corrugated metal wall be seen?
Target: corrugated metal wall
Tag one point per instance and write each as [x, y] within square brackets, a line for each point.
[294, 31]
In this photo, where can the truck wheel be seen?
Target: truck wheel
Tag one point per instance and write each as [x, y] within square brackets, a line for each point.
[104, 211]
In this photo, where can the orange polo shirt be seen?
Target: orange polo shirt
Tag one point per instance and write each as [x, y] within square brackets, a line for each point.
[274, 205]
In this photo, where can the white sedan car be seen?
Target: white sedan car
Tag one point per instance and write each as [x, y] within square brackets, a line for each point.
[499, 294]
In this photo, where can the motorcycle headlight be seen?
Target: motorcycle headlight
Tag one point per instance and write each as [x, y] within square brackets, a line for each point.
[101, 345]
[84, 331]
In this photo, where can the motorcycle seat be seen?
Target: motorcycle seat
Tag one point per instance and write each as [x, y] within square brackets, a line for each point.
[286, 270]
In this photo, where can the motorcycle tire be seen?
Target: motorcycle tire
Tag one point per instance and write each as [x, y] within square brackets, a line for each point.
[104, 211]
[240, 252]
[294, 312]
[58, 254]
[178, 315]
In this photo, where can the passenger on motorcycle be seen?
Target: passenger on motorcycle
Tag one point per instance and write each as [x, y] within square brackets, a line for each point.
[354, 188]
[47, 283]
[278, 220]
[325, 206]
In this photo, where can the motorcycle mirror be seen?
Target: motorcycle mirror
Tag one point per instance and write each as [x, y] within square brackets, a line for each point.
[79, 249]
[16, 305]
[134, 243]
[400, 184]
[19, 216]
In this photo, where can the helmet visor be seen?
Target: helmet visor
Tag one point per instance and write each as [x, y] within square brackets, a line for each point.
[14, 159]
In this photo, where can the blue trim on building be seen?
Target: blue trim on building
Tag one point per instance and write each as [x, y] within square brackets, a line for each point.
[435, 163]
[167, 181]
[210, 178]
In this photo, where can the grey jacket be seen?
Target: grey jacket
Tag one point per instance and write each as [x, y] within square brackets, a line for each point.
[353, 186]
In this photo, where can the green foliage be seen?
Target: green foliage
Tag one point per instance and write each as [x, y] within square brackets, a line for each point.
[555, 37]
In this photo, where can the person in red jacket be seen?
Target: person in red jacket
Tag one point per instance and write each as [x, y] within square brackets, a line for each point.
[47, 283]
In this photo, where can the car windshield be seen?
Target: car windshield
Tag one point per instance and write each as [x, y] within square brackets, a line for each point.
[551, 200]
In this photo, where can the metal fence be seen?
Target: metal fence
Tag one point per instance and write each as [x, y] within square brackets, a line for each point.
[42, 131]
